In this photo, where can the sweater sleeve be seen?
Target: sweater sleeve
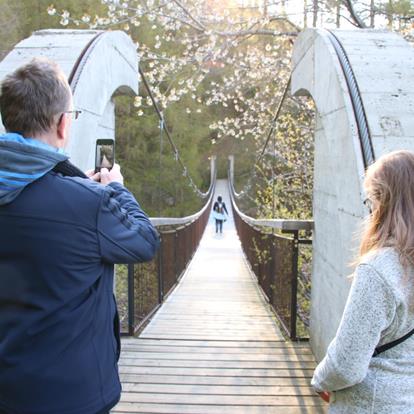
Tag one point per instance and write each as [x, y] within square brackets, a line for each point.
[368, 312]
[125, 233]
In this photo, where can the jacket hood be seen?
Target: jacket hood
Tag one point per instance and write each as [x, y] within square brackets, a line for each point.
[22, 161]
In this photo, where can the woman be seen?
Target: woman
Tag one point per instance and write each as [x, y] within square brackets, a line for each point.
[380, 306]
[219, 211]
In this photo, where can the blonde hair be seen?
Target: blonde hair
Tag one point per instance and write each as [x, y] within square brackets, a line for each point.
[389, 185]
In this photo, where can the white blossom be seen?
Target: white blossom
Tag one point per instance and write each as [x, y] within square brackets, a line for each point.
[51, 10]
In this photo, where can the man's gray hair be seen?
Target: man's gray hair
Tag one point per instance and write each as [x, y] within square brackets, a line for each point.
[32, 96]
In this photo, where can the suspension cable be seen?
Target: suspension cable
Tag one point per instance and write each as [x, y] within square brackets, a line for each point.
[269, 135]
[273, 124]
[364, 133]
[174, 148]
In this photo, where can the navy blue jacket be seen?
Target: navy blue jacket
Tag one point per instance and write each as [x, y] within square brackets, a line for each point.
[59, 239]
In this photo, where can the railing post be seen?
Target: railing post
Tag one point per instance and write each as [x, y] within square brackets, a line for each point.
[131, 300]
[272, 253]
[175, 256]
[294, 285]
[160, 279]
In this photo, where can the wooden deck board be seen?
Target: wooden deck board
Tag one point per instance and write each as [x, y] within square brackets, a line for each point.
[214, 346]
[247, 382]
[151, 408]
[174, 343]
[238, 364]
[217, 372]
[212, 356]
[219, 399]
[217, 350]
[234, 390]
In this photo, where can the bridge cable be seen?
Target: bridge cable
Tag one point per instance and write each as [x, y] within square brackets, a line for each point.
[160, 169]
[356, 100]
[269, 135]
[73, 81]
[163, 126]
[367, 149]
[273, 124]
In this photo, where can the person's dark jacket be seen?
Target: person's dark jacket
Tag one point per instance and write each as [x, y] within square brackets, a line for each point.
[59, 239]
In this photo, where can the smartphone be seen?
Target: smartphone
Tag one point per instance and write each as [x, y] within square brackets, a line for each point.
[105, 154]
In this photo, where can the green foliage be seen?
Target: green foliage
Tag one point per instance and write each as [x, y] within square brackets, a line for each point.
[401, 8]
[145, 291]
[19, 19]
[121, 294]
[138, 137]
[147, 159]
[154, 176]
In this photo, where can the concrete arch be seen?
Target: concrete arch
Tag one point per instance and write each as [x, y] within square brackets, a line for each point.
[98, 65]
[383, 65]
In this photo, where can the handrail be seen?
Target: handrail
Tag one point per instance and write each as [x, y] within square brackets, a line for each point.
[277, 262]
[175, 221]
[148, 284]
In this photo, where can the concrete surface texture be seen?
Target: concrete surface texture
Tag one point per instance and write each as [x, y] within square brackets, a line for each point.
[383, 64]
[100, 63]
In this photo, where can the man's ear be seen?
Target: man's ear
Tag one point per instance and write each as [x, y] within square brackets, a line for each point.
[63, 128]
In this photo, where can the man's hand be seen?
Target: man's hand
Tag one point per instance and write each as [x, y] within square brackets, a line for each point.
[93, 176]
[112, 176]
[325, 395]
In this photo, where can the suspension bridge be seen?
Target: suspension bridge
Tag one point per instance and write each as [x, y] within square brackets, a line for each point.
[213, 324]
[215, 345]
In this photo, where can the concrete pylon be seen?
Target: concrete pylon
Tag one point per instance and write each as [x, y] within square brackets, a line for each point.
[98, 65]
[383, 65]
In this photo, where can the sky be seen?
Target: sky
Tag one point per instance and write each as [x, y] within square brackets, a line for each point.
[294, 10]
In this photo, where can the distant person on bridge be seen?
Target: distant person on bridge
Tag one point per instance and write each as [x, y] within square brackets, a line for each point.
[219, 213]
[369, 365]
[60, 237]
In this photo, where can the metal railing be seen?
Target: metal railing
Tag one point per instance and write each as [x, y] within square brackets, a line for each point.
[281, 263]
[143, 287]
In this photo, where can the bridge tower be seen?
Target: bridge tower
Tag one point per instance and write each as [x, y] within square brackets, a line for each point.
[98, 65]
[362, 84]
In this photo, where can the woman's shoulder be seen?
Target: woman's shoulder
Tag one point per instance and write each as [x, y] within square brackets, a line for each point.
[385, 262]
[380, 257]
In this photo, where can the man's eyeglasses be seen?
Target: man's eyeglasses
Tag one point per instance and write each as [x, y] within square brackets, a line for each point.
[75, 113]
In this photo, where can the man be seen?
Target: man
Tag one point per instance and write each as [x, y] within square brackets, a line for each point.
[59, 239]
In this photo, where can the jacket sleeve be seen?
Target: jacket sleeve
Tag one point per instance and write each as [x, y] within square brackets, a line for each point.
[125, 232]
[368, 312]
[225, 208]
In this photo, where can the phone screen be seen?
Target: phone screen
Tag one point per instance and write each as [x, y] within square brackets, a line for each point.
[105, 154]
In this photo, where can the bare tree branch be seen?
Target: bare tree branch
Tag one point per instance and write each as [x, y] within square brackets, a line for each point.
[187, 12]
[357, 19]
[262, 32]
[281, 18]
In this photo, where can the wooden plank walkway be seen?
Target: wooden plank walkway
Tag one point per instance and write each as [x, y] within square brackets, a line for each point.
[214, 346]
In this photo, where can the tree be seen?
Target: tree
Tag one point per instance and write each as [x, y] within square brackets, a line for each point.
[231, 61]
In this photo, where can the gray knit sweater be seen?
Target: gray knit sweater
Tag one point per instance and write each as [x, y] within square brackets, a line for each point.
[377, 312]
